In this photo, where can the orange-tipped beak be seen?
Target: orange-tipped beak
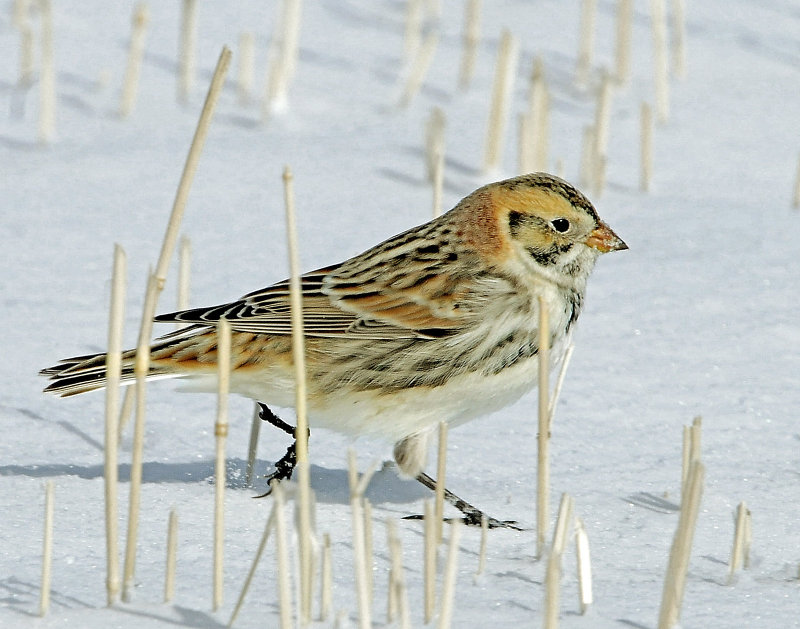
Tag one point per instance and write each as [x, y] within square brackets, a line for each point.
[605, 240]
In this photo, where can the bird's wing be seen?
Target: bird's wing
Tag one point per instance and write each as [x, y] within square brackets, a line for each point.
[365, 296]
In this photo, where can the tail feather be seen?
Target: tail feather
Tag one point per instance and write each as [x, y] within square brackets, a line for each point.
[81, 374]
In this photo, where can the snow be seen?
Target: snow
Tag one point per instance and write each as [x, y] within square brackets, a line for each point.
[699, 317]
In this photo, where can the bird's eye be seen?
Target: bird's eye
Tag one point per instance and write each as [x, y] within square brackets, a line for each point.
[561, 225]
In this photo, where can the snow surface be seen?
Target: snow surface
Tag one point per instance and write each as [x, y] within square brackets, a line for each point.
[699, 317]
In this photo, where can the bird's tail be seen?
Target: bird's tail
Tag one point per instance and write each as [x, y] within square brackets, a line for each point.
[81, 374]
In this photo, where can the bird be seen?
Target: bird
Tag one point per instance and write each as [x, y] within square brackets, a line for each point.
[436, 324]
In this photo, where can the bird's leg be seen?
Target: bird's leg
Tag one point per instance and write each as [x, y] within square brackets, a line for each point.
[472, 515]
[285, 466]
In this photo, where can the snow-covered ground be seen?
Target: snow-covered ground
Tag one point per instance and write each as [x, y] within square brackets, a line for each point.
[699, 317]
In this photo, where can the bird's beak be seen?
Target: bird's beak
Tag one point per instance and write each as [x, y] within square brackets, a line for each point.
[605, 240]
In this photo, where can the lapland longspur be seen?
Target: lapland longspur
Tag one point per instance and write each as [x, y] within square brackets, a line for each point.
[439, 323]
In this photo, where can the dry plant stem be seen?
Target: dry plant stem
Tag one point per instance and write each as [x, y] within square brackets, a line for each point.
[245, 75]
[534, 128]
[301, 430]
[679, 38]
[391, 590]
[140, 368]
[602, 121]
[587, 169]
[284, 589]
[397, 583]
[586, 42]
[600, 165]
[675, 578]
[221, 435]
[19, 12]
[125, 412]
[552, 593]
[659, 25]
[413, 31]
[796, 195]
[186, 56]
[429, 569]
[622, 51]
[259, 551]
[419, 68]
[113, 376]
[26, 62]
[438, 184]
[184, 275]
[283, 57]
[482, 550]
[356, 505]
[738, 541]
[252, 445]
[560, 382]
[470, 41]
[172, 552]
[189, 169]
[47, 77]
[748, 539]
[646, 151]
[130, 86]
[543, 465]
[585, 596]
[369, 550]
[434, 140]
[441, 467]
[696, 436]
[326, 583]
[450, 574]
[47, 548]
[501, 100]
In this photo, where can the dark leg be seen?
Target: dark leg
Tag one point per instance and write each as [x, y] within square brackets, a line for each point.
[472, 515]
[285, 466]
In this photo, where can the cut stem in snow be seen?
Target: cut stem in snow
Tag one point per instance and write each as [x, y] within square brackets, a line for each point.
[326, 580]
[141, 368]
[543, 465]
[661, 69]
[47, 76]
[186, 50]
[737, 552]
[184, 275]
[113, 375]
[419, 68]
[552, 592]
[172, 552]
[441, 469]
[679, 38]
[301, 431]
[429, 568]
[130, 85]
[622, 51]
[678, 566]
[221, 434]
[501, 101]
[252, 445]
[450, 574]
[646, 151]
[470, 41]
[482, 550]
[585, 596]
[245, 75]
[47, 548]
[586, 42]
[282, 555]
[357, 488]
